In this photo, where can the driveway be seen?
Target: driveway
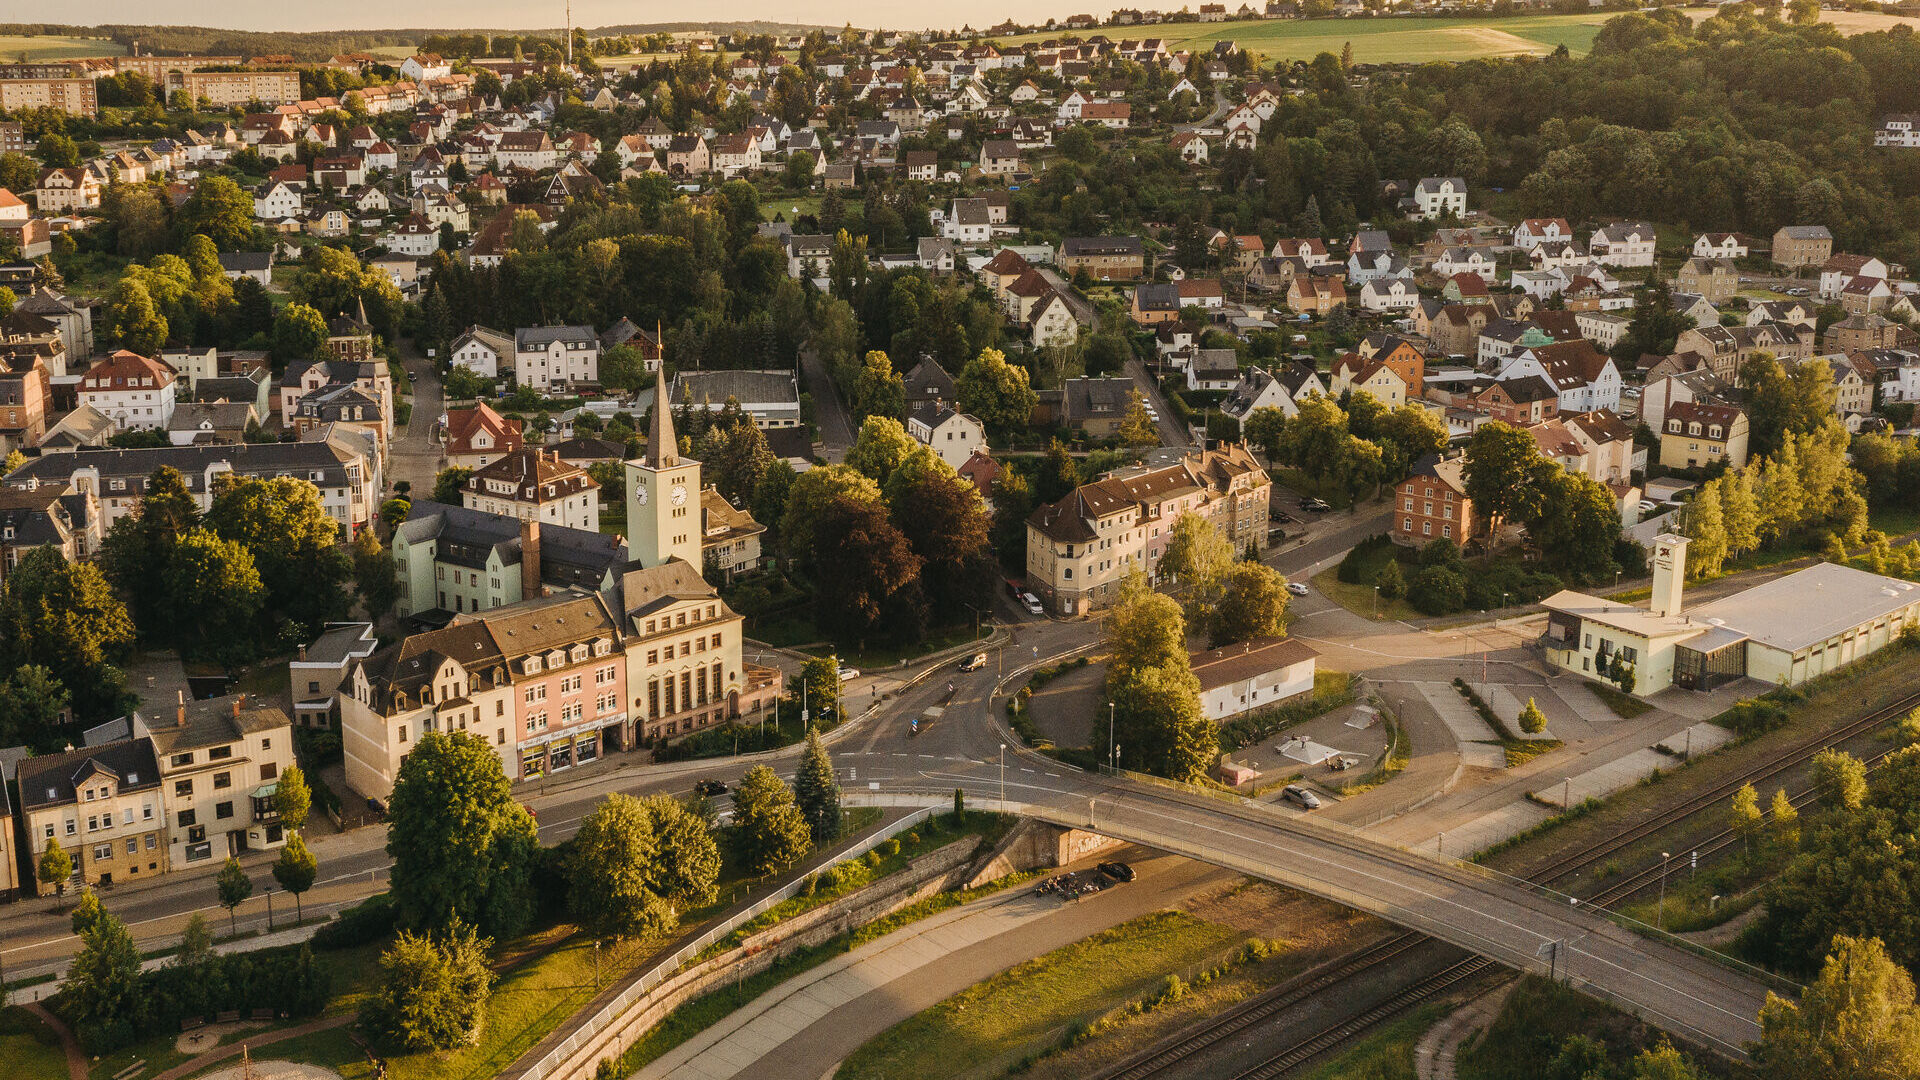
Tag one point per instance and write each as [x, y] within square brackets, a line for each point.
[829, 412]
[1172, 432]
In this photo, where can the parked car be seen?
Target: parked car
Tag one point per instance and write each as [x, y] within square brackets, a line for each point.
[847, 674]
[709, 788]
[1294, 793]
[1648, 506]
[1118, 871]
[1315, 506]
[1032, 604]
[974, 662]
[1297, 588]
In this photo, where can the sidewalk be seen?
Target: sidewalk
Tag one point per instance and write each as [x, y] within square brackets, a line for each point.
[800, 1029]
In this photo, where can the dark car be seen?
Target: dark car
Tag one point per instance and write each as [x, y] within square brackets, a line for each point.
[1118, 871]
[709, 788]
[1315, 506]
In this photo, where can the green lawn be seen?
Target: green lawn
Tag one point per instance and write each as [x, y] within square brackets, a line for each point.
[1025, 1009]
[1361, 599]
[30, 1048]
[26, 50]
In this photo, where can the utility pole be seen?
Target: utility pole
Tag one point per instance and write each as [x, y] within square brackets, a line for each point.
[569, 32]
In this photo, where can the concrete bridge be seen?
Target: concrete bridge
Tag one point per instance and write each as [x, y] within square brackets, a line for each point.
[1711, 1002]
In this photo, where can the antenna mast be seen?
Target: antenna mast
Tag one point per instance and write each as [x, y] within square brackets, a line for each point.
[569, 29]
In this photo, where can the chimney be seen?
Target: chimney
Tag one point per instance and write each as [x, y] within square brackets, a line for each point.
[529, 559]
[301, 653]
[1669, 573]
[238, 698]
[180, 716]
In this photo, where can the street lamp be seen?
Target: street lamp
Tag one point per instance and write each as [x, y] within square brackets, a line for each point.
[1003, 778]
[1376, 601]
[1660, 919]
[1113, 749]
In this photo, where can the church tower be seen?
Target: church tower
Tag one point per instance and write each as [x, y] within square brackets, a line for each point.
[663, 495]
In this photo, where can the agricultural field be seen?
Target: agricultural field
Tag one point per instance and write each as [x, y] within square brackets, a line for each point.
[15, 48]
[1415, 39]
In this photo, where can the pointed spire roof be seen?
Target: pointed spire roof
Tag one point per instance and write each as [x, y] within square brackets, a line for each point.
[663, 450]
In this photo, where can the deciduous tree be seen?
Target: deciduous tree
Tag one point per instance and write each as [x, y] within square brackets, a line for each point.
[609, 867]
[769, 833]
[1253, 605]
[295, 870]
[462, 845]
[1856, 1021]
[997, 393]
[433, 991]
[234, 887]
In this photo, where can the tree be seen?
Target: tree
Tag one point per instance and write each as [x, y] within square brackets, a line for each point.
[292, 797]
[1390, 581]
[295, 870]
[215, 593]
[55, 867]
[462, 845]
[433, 991]
[103, 982]
[1253, 605]
[1856, 1021]
[294, 543]
[1532, 720]
[878, 390]
[1196, 557]
[816, 790]
[220, 210]
[65, 617]
[873, 579]
[86, 914]
[135, 320]
[1576, 521]
[997, 393]
[1137, 428]
[196, 943]
[1785, 821]
[769, 832]
[881, 447]
[448, 482]
[374, 575]
[686, 861]
[1780, 402]
[735, 459]
[299, 332]
[1840, 779]
[1743, 813]
[1144, 630]
[141, 546]
[820, 686]
[1500, 473]
[809, 497]
[946, 524]
[32, 701]
[1058, 475]
[233, 886]
[1438, 590]
[1701, 522]
[1158, 723]
[608, 867]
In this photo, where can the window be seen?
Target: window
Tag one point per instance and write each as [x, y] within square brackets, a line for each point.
[219, 753]
[185, 759]
[269, 770]
[222, 780]
[133, 845]
[182, 788]
[223, 810]
[187, 818]
[102, 852]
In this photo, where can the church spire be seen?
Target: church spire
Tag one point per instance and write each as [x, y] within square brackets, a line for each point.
[663, 450]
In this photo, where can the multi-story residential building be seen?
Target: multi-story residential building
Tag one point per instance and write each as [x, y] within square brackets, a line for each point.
[1432, 504]
[1081, 548]
[477, 437]
[1104, 258]
[953, 436]
[304, 378]
[564, 659]
[1583, 378]
[67, 191]
[451, 679]
[75, 97]
[553, 359]
[67, 521]
[10, 860]
[483, 351]
[346, 473]
[1717, 279]
[133, 391]
[1795, 246]
[1534, 231]
[220, 763]
[1697, 436]
[1623, 244]
[103, 805]
[1898, 129]
[73, 318]
[1257, 389]
[530, 484]
[317, 669]
[1721, 245]
[26, 389]
[453, 559]
[729, 537]
[226, 89]
[1437, 196]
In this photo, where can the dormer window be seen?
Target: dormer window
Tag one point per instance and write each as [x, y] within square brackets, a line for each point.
[532, 665]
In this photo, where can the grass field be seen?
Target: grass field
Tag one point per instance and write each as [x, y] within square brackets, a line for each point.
[1414, 39]
[1024, 1009]
[15, 47]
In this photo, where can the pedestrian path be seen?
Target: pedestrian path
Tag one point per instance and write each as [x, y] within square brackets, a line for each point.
[1433, 1055]
[1479, 744]
[1507, 707]
[1585, 704]
[1699, 739]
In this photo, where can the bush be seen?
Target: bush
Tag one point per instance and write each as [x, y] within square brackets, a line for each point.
[1753, 717]
[1364, 561]
[368, 921]
[1390, 581]
[1439, 591]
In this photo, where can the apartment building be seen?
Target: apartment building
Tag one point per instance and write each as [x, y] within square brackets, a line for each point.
[75, 97]
[220, 763]
[103, 804]
[535, 485]
[1081, 548]
[226, 89]
[1433, 504]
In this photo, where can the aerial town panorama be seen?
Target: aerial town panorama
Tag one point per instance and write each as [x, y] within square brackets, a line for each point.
[1334, 539]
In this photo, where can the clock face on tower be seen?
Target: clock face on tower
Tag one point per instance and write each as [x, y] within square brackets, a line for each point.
[679, 494]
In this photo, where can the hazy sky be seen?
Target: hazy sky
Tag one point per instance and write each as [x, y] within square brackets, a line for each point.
[513, 15]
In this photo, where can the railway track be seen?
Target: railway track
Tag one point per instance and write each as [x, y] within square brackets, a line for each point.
[1282, 998]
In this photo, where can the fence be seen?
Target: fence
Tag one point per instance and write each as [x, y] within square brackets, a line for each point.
[588, 1036]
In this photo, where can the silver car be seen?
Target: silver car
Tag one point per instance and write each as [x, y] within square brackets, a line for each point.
[1306, 800]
